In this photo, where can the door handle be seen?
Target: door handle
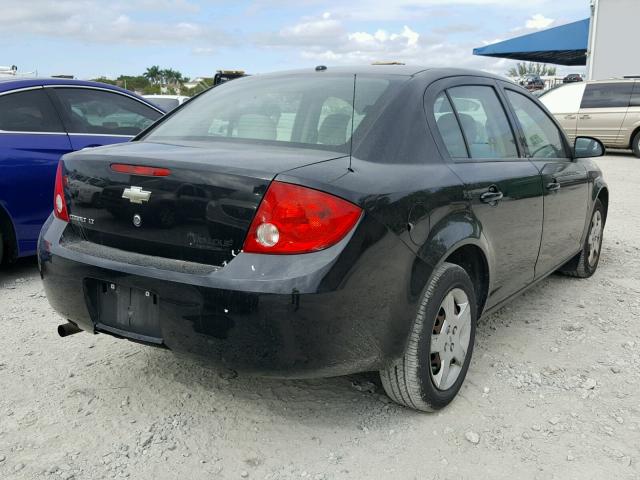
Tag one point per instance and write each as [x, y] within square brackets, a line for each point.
[553, 186]
[570, 117]
[492, 197]
[585, 117]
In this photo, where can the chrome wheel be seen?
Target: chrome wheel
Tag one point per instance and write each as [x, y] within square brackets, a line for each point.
[450, 339]
[595, 237]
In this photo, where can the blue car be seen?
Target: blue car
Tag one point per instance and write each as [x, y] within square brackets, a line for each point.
[41, 120]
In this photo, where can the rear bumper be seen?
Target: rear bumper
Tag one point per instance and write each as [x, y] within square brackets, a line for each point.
[339, 311]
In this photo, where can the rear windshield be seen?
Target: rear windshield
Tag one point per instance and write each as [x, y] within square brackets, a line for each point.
[316, 111]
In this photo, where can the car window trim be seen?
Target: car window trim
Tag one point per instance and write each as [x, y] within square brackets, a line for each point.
[521, 136]
[29, 132]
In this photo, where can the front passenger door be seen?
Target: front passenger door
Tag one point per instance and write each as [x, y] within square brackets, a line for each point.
[564, 182]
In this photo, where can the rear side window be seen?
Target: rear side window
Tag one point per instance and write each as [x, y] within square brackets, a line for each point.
[542, 137]
[104, 113]
[484, 122]
[607, 95]
[449, 128]
[635, 96]
[28, 111]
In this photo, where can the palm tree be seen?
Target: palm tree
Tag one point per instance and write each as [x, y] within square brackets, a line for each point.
[153, 74]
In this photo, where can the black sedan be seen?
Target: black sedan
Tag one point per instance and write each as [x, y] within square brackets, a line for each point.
[329, 221]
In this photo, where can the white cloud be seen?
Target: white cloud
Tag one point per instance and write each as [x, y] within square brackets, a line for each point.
[95, 21]
[538, 22]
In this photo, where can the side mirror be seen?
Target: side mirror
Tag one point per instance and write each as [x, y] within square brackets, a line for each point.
[587, 147]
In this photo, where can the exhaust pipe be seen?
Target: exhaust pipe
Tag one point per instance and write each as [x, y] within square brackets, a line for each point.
[68, 329]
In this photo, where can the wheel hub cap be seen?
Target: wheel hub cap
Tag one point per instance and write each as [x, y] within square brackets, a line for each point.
[595, 237]
[450, 339]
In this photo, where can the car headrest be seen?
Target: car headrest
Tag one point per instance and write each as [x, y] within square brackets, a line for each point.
[333, 130]
[258, 127]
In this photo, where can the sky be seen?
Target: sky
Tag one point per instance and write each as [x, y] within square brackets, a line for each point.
[92, 38]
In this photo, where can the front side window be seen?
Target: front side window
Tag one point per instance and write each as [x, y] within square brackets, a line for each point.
[99, 112]
[542, 137]
[449, 128]
[607, 95]
[313, 110]
[28, 111]
[484, 122]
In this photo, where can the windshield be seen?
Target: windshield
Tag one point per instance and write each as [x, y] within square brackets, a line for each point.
[165, 104]
[305, 110]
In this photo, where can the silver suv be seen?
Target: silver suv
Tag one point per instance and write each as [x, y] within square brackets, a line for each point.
[608, 110]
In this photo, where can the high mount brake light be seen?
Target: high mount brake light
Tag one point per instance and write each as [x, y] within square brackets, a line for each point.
[140, 170]
[294, 219]
[59, 202]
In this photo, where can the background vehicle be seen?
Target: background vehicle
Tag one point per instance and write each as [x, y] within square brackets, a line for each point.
[572, 77]
[608, 110]
[532, 82]
[166, 102]
[223, 76]
[342, 220]
[41, 120]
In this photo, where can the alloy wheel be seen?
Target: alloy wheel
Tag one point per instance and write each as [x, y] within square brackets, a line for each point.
[450, 339]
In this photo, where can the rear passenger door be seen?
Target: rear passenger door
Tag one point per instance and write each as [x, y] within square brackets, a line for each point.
[95, 117]
[565, 182]
[602, 111]
[502, 187]
[32, 140]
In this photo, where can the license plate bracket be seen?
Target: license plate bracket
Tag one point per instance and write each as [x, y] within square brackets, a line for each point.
[129, 311]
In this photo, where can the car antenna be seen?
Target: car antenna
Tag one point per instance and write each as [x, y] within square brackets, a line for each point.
[353, 114]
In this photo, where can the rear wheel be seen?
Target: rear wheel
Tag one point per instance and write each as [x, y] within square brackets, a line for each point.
[635, 144]
[586, 262]
[431, 371]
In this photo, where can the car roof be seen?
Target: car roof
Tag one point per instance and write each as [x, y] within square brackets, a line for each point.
[12, 83]
[431, 73]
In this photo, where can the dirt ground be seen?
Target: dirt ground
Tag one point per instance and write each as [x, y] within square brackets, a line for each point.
[553, 393]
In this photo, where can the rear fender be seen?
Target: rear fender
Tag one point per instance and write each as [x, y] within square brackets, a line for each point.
[445, 237]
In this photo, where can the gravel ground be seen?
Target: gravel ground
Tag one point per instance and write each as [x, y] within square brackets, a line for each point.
[553, 392]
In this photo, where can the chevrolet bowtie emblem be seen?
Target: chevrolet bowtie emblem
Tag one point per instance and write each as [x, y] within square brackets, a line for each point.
[136, 194]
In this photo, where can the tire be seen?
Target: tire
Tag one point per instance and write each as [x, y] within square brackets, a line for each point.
[416, 380]
[1, 248]
[635, 144]
[586, 262]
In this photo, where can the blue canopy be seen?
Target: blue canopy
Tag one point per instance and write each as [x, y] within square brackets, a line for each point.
[563, 45]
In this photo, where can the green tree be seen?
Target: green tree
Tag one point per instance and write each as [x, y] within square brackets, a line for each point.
[153, 74]
[524, 68]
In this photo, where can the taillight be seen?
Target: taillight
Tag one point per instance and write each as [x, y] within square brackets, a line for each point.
[140, 170]
[59, 202]
[294, 219]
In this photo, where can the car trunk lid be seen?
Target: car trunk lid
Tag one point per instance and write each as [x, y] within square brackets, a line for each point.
[200, 211]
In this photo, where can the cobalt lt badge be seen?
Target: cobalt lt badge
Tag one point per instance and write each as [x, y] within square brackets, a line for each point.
[137, 220]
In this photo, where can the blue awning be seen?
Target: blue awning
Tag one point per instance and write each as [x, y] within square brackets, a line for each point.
[563, 45]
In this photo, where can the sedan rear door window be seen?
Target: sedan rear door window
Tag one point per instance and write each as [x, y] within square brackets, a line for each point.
[29, 111]
[484, 122]
[93, 111]
[449, 127]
